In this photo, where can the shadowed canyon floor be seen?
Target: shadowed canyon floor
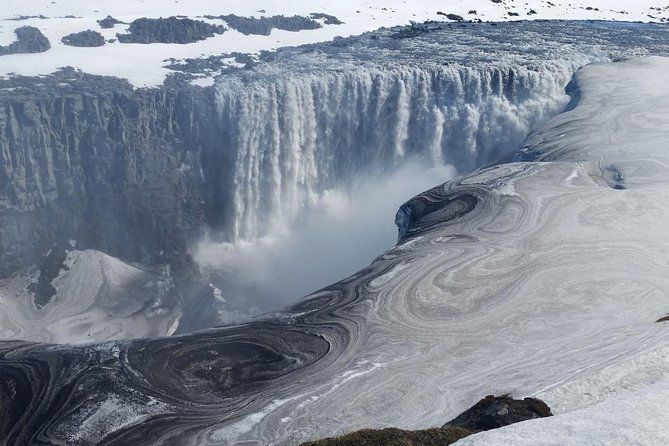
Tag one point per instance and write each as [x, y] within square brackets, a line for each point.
[541, 276]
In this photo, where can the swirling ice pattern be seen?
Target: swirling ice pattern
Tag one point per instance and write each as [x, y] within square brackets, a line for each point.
[97, 297]
[517, 278]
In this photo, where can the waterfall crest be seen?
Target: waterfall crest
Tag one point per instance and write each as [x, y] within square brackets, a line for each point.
[294, 138]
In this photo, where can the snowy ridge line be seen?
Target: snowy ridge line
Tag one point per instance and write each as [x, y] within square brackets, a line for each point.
[145, 65]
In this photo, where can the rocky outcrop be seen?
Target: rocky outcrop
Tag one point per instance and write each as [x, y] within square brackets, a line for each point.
[264, 25]
[88, 38]
[454, 17]
[327, 18]
[497, 411]
[20, 18]
[49, 268]
[28, 40]
[490, 413]
[396, 437]
[108, 22]
[169, 30]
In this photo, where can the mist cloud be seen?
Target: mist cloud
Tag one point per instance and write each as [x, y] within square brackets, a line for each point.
[342, 233]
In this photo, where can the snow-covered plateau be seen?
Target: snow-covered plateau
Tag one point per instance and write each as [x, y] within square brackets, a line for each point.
[146, 64]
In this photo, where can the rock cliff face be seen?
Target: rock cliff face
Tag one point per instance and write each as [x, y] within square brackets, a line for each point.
[91, 159]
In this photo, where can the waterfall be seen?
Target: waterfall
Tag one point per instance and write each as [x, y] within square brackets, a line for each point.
[295, 137]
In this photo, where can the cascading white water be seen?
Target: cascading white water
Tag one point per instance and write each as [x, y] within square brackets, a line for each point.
[324, 159]
[296, 137]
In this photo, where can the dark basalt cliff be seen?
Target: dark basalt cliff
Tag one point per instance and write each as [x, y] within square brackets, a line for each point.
[115, 168]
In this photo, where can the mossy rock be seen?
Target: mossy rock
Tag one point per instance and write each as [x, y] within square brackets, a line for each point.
[397, 437]
[489, 413]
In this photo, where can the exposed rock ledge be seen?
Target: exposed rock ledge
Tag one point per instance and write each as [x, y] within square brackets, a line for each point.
[490, 413]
